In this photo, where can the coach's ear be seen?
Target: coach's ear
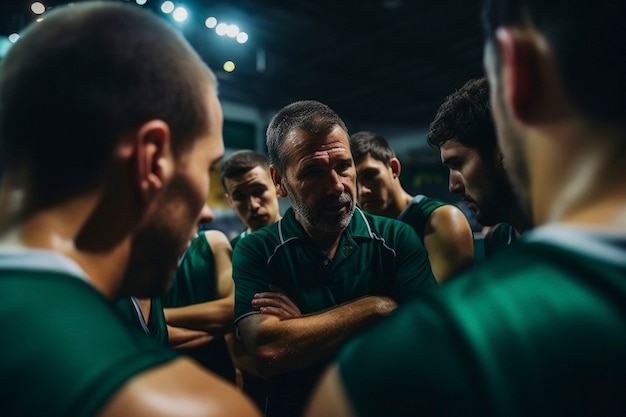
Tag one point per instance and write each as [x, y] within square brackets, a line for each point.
[154, 163]
[277, 179]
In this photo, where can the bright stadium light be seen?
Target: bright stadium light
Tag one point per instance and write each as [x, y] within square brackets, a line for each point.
[229, 66]
[180, 14]
[167, 7]
[232, 31]
[242, 37]
[210, 22]
[221, 29]
[37, 7]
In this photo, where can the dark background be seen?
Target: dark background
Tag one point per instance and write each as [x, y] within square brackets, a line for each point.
[377, 61]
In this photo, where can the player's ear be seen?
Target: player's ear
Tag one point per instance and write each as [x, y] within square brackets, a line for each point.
[396, 167]
[229, 200]
[528, 75]
[277, 179]
[154, 162]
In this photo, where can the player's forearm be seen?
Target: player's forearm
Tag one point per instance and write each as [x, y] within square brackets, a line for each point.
[239, 355]
[212, 316]
[287, 345]
[182, 338]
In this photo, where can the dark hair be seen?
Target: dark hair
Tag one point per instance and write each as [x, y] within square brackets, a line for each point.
[311, 116]
[74, 84]
[369, 143]
[588, 41]
[241, 162]
[465, 116]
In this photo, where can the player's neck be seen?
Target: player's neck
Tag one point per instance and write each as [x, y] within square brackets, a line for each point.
[58, 228]
[589, 186]
[401, 202]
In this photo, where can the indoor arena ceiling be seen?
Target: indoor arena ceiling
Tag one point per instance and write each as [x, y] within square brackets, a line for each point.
[373, 61]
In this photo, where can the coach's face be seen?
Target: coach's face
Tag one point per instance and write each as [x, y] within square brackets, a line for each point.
[319, 180]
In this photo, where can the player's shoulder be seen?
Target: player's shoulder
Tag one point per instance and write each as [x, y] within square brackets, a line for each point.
[382, 226]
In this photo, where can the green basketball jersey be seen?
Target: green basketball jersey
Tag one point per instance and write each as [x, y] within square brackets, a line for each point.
[65, 348]
[156, 325]
[236, 239]
[539, 330]
[195, 282]
[418, 211]
[499, 236]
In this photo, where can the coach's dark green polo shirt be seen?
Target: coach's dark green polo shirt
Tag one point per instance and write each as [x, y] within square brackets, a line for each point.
[376, 255]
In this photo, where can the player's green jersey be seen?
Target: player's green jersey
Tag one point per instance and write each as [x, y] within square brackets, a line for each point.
[539, 329]
[65, 348]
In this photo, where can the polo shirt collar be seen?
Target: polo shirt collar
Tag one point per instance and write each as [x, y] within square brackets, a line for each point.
[289, 228]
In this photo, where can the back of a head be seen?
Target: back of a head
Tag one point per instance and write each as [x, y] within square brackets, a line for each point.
[369, 143]
[465, 115]
[309, 115]
[588, 42]
[240, 162]
[79, 80]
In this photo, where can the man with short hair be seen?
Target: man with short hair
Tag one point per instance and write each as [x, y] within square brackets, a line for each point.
[326, 270]
[540, 329]
[250, 191]
[109, 125]
[464, 132]
[442, 227]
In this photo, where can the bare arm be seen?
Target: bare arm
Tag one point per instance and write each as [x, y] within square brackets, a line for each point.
[275, 303]
[239, 355]
[329, 398]
[182, 338]
[449, 241]
[179, 389]
[282, 345]
[212, 316]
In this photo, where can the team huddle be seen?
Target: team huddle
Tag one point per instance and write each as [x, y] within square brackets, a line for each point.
[359, 298]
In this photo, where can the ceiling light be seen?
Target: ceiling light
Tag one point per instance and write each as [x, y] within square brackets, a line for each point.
[242, 37]
[167, 7]
[221, 29]
[210, 22]
[232, 31]
[37, 7]
[180, 14]
[229, 66]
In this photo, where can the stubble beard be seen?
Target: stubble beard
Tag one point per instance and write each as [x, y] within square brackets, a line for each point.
[516, 170]
[310, 214]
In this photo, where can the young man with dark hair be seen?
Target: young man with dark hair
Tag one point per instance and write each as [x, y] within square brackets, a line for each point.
[442, 227]
[250, 191]
[109, 125]
[464, 132]
[540, 329]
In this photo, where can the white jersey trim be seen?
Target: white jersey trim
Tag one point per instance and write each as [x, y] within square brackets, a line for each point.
[587, 242]
[40, 260]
